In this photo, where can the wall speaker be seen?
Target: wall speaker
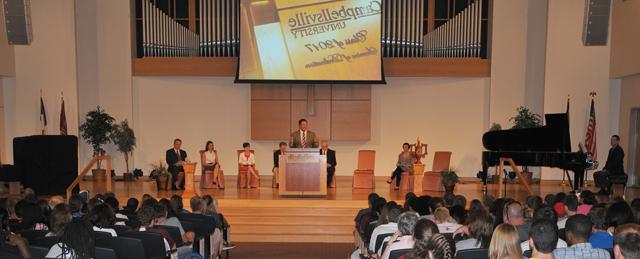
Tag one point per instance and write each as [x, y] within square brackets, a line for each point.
[596, 22]
[17, 17]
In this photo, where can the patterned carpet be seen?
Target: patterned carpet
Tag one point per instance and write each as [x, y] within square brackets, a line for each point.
[291, 250]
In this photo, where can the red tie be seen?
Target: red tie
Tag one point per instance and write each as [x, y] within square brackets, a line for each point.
[178, 154]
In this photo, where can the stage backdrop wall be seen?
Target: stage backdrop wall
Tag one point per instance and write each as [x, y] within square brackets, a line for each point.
[448, 114]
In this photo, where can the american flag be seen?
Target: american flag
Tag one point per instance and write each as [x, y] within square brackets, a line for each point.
[590, 138]
[43, 117]
[63, 120]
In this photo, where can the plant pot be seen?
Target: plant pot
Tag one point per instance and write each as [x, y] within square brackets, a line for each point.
[99, 175]
[449, 188]
[128, 177]
[162, 182]
[527, 177]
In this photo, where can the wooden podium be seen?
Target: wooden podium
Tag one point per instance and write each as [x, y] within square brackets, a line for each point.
[189, 171]
[303, 172]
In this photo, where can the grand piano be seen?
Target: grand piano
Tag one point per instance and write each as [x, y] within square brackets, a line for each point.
[548, 146]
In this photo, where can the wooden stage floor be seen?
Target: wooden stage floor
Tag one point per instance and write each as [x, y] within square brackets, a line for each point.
[259, 215]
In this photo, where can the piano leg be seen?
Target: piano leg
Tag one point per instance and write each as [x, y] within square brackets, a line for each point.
[579, 178]
[485, 176]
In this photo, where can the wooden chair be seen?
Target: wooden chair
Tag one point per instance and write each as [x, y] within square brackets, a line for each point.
[432, 180]
[243, 174]
[363, 177]
[206, 180]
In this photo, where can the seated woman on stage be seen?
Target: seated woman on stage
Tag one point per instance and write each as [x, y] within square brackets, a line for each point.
[211, 164]
[405, 164]
[247, 163]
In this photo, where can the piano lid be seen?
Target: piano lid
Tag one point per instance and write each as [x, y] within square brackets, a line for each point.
[553, 137]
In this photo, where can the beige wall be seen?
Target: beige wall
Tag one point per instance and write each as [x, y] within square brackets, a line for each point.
[7, 66]
[630, 100]
[625, 38]
[49, 64]
[201, 109]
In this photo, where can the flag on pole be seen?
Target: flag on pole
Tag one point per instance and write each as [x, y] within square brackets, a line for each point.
[63, 120]
[590, 139]
[43, 116]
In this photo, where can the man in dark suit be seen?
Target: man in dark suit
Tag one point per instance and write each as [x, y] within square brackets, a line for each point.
[614, 166]
[331, 161]
[175, 157]
[303, 138]
[276, 164]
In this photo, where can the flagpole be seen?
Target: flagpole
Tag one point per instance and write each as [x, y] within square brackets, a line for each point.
[586, 171]
[564, 173]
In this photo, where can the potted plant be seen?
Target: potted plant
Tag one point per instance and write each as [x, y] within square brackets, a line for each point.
[495, 127]
[162, 176]
[96, 130]
[125, 140]
[449, 180]
[525, 119]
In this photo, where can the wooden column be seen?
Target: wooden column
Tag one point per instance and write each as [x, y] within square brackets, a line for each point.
[431, 15]
[192, 15]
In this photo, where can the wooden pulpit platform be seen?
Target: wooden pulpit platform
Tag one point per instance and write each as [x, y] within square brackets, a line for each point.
[303, 172]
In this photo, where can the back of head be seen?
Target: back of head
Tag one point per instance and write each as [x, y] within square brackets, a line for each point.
[545, 212]
[578, 229]
[55, 200]
[197, 204]
[378, 204]
[441, 214]
[112, 202]
[177, 202]
[619, 213]
[394, 213]
[76, 203]
[60, 217]
[448, 199]
[513, 211]
[533, 202]
[571, 203]
[372, 198]
[588, 197]
[505, 243]
[460, 200]
[440, 246]
[435, 203]
[78, 237]
[132, 204]
[102, 216]
[544, 234]
[424, 229]
[598, 217]
[481, 228]
[146, 215]
[635, 207]
[458, 213]
[476, 205]
[407, 222]
[627, 238]
[421, 205]
[549, 199]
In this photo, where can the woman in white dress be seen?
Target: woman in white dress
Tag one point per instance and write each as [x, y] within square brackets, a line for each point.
[247, 163]
[211, 164]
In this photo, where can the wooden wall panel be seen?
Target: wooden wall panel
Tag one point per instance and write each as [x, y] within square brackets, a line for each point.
[351, 120]
[318, 123]
[351, 92]
[299, 92]
[270, 92]
[270, 119]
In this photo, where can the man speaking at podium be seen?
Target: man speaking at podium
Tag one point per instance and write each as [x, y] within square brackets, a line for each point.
[303, 138]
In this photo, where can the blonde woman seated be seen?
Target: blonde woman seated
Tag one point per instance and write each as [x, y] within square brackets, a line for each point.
[505, 243]
[210, 164]
[247, 162]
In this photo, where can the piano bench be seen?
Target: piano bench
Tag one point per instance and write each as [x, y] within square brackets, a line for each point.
[619, 179]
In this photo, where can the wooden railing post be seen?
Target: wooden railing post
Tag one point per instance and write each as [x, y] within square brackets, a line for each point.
[108, 158]
[86, 169]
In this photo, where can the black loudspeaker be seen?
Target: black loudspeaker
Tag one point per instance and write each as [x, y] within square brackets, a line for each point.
[596, 22]
[17, 17]
[48, 164]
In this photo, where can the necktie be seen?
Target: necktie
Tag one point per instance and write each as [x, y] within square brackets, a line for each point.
[304, 139]
[178, 155]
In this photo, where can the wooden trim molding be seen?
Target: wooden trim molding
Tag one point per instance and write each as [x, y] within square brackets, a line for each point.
[393, 67]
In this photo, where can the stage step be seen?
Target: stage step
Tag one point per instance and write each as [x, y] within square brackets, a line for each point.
[328, 221]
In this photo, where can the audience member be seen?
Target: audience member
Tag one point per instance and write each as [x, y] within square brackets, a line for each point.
[403, 238]
[587, 200]
[176, 200]
[514, 215]
[444, 221]
[531, 204]
[570, 208]
[146, 216]
[600, 238]
[504, 243]
[544, 212]
[436, 247]
[619, 213]
[480, 230]
[55, 200]
[60, 217]
[391, 212]
[627, 239]
[635, 207]
[370, 200]
[76, 242]
[103, 219]
[12, 246]
[578, 230]
[543, 237]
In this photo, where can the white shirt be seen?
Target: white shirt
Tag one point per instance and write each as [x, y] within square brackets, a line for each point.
[56, 252]
[210, 157]
[525, 244]
[390, 227]
[562, 222]
[449, 227]
[243, 160]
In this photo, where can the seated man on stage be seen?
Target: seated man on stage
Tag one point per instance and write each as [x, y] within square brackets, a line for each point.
[303, 138]
[614, 166]
[175, 157]
[276, 164]
[247, 163]
[331, 161]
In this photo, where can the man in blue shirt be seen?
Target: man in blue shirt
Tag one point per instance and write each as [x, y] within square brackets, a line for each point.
[600, 238]
[578, 229]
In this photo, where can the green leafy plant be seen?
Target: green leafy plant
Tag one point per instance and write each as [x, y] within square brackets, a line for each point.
[495, 126]
[124, 139]
[449, 177]
[96, 130]
[159, 170]
[525, 119]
